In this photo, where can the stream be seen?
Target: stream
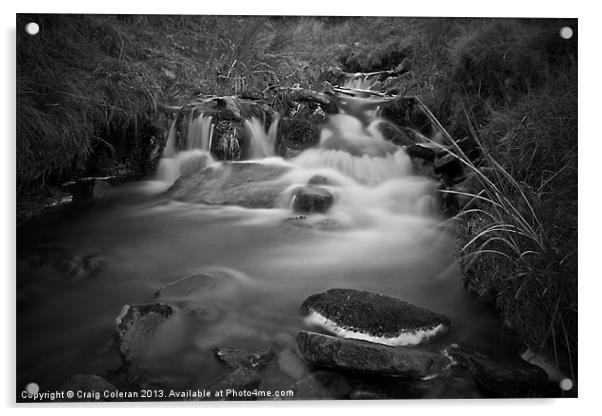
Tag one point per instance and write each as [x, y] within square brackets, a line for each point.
[383, 233]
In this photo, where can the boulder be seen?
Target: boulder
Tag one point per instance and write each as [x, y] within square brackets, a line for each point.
[421, 152]
[311, 199]
[80, 267]
[319, 180]
[510, 378]
[237, 358]
[360, 314]
[399, 136]
[135, 327]
[450, 167]
[368, 357]
[251, 185]
[299, 134]
[406, 112]
[88, 383]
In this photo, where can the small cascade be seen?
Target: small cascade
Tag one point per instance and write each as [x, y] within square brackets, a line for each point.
[364, 169]
[261, 144]
[360, 81]
[170, 143]
[175, 164]
[200, 133]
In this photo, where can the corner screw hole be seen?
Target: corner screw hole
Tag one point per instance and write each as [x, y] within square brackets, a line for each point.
[32, 28]
[566, 32]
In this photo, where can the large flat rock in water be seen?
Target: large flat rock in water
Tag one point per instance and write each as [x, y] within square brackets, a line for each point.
[351, 313]
[251, 185]
[368, 357]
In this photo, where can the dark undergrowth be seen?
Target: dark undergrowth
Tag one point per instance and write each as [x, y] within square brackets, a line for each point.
[88, 89]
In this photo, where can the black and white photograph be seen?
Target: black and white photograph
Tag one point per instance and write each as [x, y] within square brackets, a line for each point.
[295, 208]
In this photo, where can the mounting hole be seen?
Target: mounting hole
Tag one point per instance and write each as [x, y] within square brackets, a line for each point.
[32, 388]
[32, 28]
[566, 32]
[566, 384]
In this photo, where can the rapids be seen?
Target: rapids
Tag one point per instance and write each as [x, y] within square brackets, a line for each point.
[388, 237]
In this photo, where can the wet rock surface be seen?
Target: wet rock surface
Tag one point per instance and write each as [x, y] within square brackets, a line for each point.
[371, 313]
[421, 152]
[135, 327]
[251, 185]
[309, 199]
[367, 357]
[509, 378]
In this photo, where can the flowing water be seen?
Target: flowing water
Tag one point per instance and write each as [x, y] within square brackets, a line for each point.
[387, 237]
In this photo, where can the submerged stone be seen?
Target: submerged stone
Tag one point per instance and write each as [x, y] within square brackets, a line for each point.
[189, 285]
[509, 378]
[238, 380]
[136, 325]
[236, 358]
[291, 364]
[322, 385]
[311, 199]
[368, 357]
[360, 314]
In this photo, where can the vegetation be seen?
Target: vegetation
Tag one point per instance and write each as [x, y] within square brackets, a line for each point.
[89, 86]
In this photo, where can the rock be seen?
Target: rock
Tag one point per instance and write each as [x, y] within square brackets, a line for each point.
[421, 152]
[511, 379]
[405, 112]
[470, 147]
[368, 357]
[237, 358]
[311, 223]
[352, 313]
[80, 267]
[323, 385]
[88, 384]
[318, 180]
[291, 364]
[450, 167]
[90, 187]
[399, 136]
[136, 325]
[311, 199]
[252, 94]
[299, 134]
[188, 285]
[251, 185]
[318, 116]
[239, 379]
[101, 189]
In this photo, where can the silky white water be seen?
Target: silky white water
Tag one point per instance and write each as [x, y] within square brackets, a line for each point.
[384, 234]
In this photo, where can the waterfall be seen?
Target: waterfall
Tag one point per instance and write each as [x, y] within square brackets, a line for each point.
[261, 144]
[360, 81]
[175, 164]
[170, 143]
[200, 132]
